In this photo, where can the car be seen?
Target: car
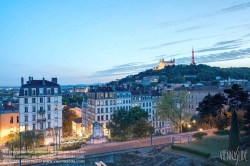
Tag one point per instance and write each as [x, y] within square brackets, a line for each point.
[42, 145]
[71, 141]
[62, 143]
[52, 144]
[79, 141]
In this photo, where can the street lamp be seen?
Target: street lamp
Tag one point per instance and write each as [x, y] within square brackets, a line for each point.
[21, 129]
[189, 127]
[56, 132]
[11, 130]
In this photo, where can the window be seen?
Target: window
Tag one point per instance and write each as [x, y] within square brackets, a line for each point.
[56, 116]
[56, 107]
[107, 110]
[49, 125]
[34, 117]
[17, 119]
[34, 126]
[126, 101]
[48, 91]
[128, 95]
[41, 100]
[33, 100]
[26, 92]
[48, 107]
[102, 117]
[55, 91]
[123, 101]
[48, 116]
[25, 109]
[143, 104]
[26, 118]
[111, 102]
[111, 95]
[41, 125]
[41, 91]
[56, 99]
[48, 100]
[98, 102]
[126, 107]
[98, 118]
[117, 96]
[33, 92]
[110, 109]
[41, 108]
[98, 110]
[101, 110]
[149, 110]
[26, 100]
[106, 95]
[33, 109]
[107, 117]
[11, 119]
[106, 102]
[26, 127]
[149, 104]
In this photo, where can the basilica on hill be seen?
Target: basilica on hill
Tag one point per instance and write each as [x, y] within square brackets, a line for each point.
[162, 64]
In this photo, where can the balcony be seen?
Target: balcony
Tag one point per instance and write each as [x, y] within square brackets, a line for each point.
[41, 111]
[41, 120]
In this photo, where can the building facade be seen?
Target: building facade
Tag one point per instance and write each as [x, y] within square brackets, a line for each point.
[100, 107]
[162, 64]
[123, 100]
[40, 108]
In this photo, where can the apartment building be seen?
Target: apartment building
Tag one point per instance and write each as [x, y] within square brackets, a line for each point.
[40, 108]
[100, 107]
[196, 94]
[123, 100]
[142, 99]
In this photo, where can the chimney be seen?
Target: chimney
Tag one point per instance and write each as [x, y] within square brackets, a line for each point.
[22, 80]
[30, 79]
[43, 81]
[54, 80]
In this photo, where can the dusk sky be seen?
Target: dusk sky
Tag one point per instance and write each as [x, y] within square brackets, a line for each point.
[90, 41]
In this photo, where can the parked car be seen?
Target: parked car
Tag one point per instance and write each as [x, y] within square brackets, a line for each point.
[71, 141]
[62, 143]
[42, 145]
[52, 144]
[79, 141]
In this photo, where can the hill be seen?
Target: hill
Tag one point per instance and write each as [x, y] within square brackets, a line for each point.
[193, 73]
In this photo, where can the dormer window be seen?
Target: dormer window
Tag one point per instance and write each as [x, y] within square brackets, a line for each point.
[48, 92]
[40, 91]
[25, 92]
[55, 91]
[33, 92]
[106, 95]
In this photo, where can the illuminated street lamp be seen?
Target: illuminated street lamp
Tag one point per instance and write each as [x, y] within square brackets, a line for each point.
[11, 130]
[21, 129]
[200, 129]
[189, 127]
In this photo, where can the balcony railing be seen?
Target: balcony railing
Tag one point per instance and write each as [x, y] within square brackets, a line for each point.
[41, 111]
[41, 120]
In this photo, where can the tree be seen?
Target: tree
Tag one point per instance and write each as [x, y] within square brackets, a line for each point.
[120, 125]
[238, 98]
[136, 113]
[28, 139]
[247, 116]
[67, 117]
[141, 128]
[221, 122]
[172, 105]
[210, 107]
[234, 138]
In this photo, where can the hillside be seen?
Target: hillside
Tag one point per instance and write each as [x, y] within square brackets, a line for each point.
[203, 73]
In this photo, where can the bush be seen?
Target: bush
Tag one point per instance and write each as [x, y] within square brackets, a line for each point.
[222, 132]
[194, 151]
[72, 147]
[199, 135]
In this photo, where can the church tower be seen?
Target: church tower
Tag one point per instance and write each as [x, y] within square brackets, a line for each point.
[192, 61]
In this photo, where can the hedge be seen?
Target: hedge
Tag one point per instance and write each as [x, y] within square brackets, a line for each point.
[72, 147]
[190, 150]
[222, 132]
[199, 135]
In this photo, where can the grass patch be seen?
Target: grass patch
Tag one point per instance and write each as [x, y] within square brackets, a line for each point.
[194, 151]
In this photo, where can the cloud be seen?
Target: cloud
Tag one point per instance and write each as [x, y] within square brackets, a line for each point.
[224, 56]
[125, 69]
[170, 43]
[223, 45]
[192, 28]
[234, 8]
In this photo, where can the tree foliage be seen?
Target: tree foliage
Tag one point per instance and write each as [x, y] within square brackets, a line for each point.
[210, 107]
[67, 117]
[172, 105]
[124, 123]
[234, 135]
[141, 128]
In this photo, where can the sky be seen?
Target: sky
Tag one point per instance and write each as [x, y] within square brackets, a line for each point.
[91, 41]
